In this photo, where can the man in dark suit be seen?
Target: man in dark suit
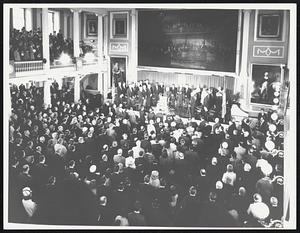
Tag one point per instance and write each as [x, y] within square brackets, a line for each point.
[41, 172]
[105, 213]
[188, 209]
[135, 218]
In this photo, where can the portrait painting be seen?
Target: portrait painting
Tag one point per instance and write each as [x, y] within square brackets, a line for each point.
[92, 27]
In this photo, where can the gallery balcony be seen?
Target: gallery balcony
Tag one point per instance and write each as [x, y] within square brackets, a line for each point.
[65, 65]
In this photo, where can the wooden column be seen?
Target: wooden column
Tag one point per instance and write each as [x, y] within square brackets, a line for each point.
[134, 48]
[100, 53]
[45, 28]
[76, 35]
[244, 76]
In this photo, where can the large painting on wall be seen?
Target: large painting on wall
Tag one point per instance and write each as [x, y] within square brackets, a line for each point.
[266, 84]
[192, 39]
[118, 70]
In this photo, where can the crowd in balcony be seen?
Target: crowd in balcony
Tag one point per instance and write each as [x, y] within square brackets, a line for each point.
[76, 163]
[58, 45]
[27, 45]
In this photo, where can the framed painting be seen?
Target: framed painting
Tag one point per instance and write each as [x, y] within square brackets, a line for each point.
[118, 70]
[92, 27]
[120, 28]
[269, 25]
[119, 25]
[266, 84]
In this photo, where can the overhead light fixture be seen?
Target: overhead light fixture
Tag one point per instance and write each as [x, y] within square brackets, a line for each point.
[64, 59]
[89, 57]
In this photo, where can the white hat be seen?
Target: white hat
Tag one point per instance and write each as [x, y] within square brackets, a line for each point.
[260, 210]
[93, 168]
[26, 192]
[173, 124]
[266, 169]
[80, 140]
[272, 127]
[269, 145]
[219, 185]
[247, 167]
[225, 145]
[274, 116]
[275, 100]
[246, 134]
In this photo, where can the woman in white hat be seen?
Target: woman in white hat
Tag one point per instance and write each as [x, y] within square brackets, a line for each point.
[258, 209]
[29, 205]
[154, 179]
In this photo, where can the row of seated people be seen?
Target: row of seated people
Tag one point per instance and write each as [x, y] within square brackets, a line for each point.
[185, 101]
[72, 163]
[27, 45]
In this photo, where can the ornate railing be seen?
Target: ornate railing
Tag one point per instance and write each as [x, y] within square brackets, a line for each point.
[25, 66]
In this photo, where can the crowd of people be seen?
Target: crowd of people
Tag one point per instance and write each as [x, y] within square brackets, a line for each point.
[186, 101]
[140, 95]
[76, 163]
[58, 45]
[27, 45]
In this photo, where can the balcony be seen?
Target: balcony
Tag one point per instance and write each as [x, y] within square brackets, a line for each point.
[33, 68]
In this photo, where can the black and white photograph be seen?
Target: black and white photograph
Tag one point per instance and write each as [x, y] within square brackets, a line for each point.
[149, 116]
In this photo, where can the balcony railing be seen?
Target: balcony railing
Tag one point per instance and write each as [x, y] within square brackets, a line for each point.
[31, 66]
[24, 66]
